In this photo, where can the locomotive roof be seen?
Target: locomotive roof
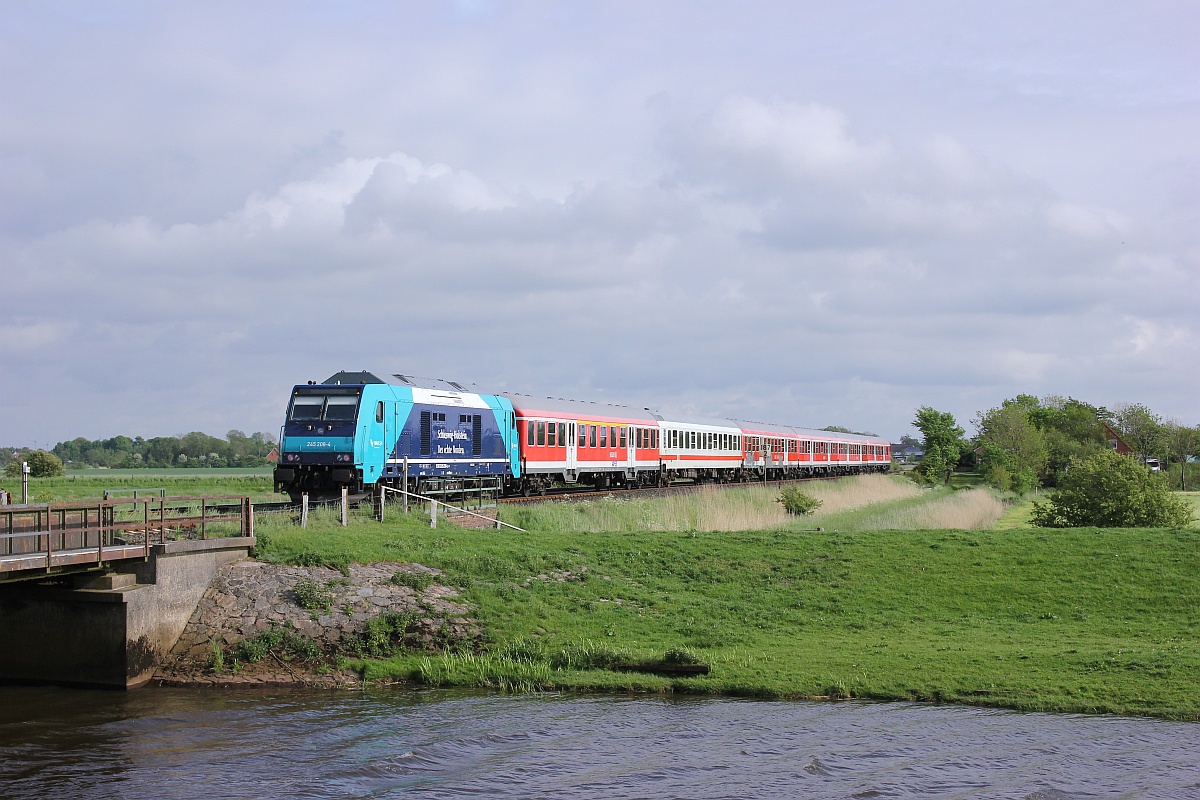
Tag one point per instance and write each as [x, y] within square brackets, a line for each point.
[397, 379]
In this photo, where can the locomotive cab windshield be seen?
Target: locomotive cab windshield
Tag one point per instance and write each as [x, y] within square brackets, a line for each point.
[324, 406]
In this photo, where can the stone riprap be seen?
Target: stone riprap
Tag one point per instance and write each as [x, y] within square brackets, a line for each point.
[249, 597]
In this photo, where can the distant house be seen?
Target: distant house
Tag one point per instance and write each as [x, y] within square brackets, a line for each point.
[273, 456]
[1114, 439]
[907, 454]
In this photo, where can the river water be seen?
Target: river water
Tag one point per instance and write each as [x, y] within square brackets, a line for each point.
[210, 744]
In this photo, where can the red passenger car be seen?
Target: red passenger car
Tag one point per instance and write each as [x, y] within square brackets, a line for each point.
[593, 443]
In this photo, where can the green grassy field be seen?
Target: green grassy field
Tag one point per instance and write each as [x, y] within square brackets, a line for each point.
[1194, 499]
[91, 484]
[1078, 620]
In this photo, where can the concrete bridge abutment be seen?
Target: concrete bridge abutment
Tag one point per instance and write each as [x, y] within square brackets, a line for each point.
[108, 629]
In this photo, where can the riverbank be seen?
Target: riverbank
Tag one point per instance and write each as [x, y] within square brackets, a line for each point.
[270, 624]
[1086, 620]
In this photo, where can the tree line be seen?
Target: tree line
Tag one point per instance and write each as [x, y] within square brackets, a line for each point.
[1027, 443]
[192, 450]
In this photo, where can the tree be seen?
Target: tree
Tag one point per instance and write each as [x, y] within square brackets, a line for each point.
[1014, 450]
[1181, 442]
[1110, 490]
[1072, 429]
[1141, 428]
[941, 440]
[41, 465]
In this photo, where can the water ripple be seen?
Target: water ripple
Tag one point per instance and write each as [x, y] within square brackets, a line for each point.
[172, 743]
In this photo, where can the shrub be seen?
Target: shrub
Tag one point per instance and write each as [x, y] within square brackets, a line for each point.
[796, 502]
[680, 655]
[41, 465]
[308, 558]
[1110, 490]
[382, 636]
[588, 655]
[417, 581]
[312, 595]
[283, 643]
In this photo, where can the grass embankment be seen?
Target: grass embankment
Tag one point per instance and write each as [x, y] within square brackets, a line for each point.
[178, 483]
[859, 503]
[1063, 620]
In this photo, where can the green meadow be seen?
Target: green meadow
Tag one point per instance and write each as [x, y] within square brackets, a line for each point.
[1079, 620]
[91, 484]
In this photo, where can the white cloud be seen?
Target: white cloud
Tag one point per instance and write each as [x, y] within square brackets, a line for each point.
[30, 339]
[800, 138]
[1083, 223]
[799, 225]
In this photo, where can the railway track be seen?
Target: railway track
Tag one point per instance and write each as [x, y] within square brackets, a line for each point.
[650, 491]
[561, 495]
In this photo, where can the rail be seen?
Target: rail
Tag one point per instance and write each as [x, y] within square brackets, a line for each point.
[109, 494]
[434, 503]
[50, 536]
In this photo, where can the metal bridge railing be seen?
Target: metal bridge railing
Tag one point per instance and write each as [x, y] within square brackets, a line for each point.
[49, 535]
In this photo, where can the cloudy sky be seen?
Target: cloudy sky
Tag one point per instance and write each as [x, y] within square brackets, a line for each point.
[806, 212]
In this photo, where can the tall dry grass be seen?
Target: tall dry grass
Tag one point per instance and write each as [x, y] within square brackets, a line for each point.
[973, 509]
[753, 507]
[861, 490]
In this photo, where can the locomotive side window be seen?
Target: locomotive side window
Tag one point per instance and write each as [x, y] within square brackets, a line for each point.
[379, 411]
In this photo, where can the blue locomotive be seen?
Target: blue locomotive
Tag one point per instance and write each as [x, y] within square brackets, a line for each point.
[358, 430]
